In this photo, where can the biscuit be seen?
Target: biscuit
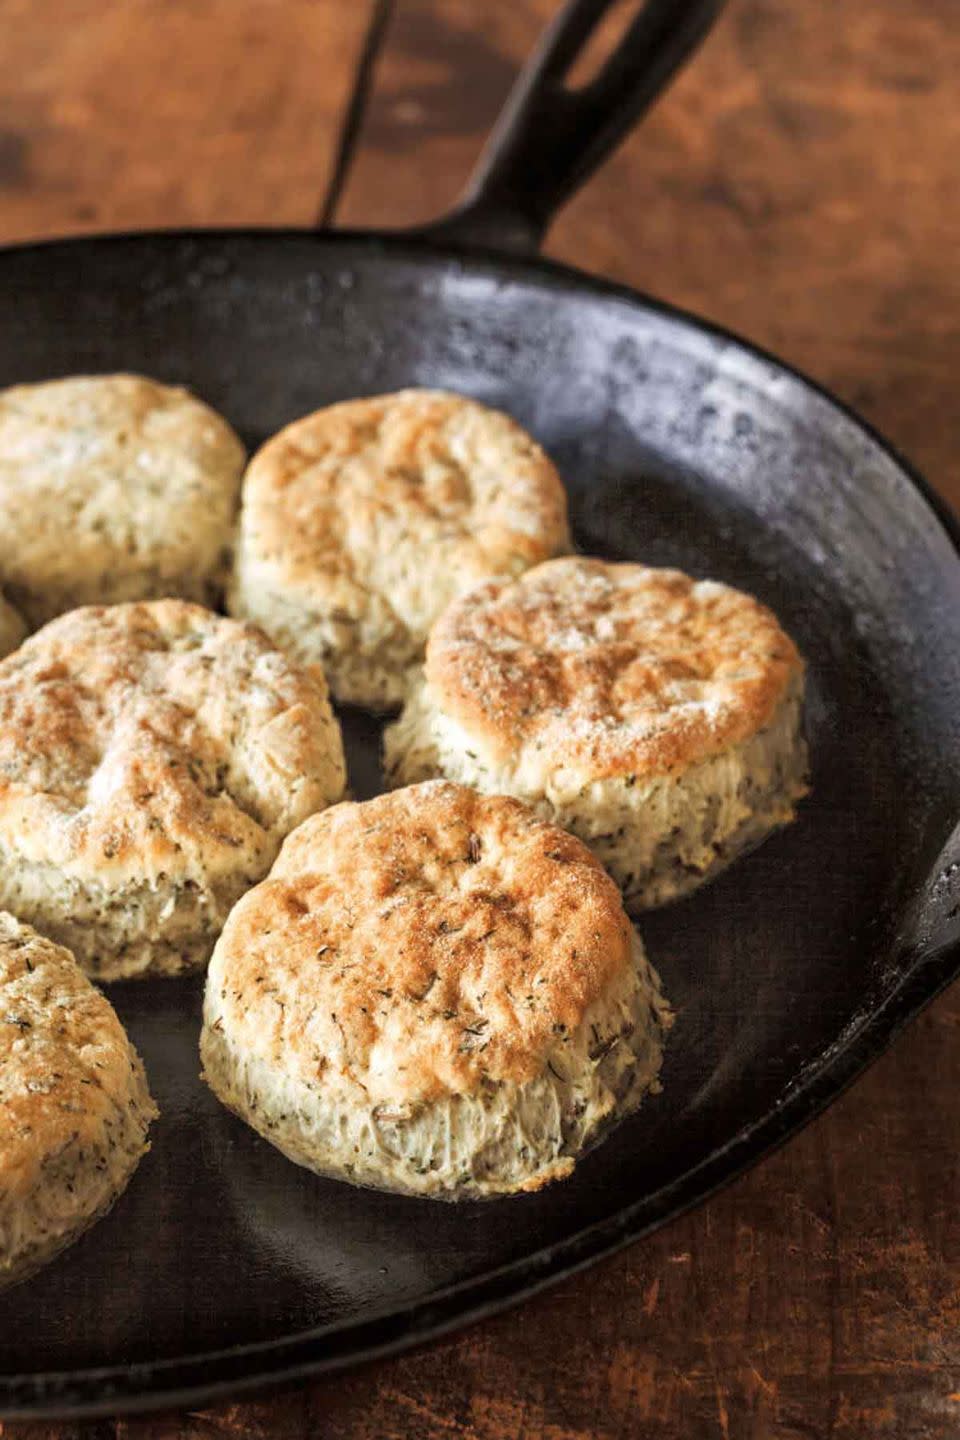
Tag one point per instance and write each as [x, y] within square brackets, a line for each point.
[152, 758]
[436, 993]
[12, 628]
[657, 717]
[362, 521]
[113, 487]
[74, 1103]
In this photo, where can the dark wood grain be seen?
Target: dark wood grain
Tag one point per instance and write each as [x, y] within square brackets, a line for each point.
[121, 114]
[799, 184]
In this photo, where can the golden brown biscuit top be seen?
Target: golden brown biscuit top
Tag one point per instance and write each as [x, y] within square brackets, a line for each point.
[157, 739]
[420, 944]
[412, 496]
[66, 1065]
[109, 473]
[607, 670]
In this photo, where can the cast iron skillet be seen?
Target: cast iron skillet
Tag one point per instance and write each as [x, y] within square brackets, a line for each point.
[223, 1265]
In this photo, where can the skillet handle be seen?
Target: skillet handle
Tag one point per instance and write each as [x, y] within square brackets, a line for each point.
[549, 138]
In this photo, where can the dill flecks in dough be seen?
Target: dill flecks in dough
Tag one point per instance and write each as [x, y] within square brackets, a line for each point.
[113, 487]
[655, 716]
[152, 758]
[74, 1103]
[360, 522]
[433, 992]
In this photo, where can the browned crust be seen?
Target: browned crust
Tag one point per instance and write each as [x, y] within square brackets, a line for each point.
[157, 739]
[66, 1064]
[608, 669]
[330, 500]
[421, 943]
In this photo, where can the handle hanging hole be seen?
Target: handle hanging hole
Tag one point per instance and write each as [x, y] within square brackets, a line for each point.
[603, 42]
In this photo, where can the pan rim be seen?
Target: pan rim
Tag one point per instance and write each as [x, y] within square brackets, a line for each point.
[414, 245]
[211, 1375]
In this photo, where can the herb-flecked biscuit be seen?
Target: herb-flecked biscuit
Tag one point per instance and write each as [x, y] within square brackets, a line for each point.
[433, 992]
[655, 716]
[362, 521]
[12, 628]
[74, 1103]
[113, 487]
[152, 758]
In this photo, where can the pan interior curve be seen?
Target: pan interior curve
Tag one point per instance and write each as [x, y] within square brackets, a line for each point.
[679, 447]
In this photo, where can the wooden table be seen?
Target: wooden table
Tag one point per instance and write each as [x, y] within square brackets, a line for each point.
[800, 185]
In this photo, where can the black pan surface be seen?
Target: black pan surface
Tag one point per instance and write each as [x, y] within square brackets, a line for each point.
[224, 1265]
